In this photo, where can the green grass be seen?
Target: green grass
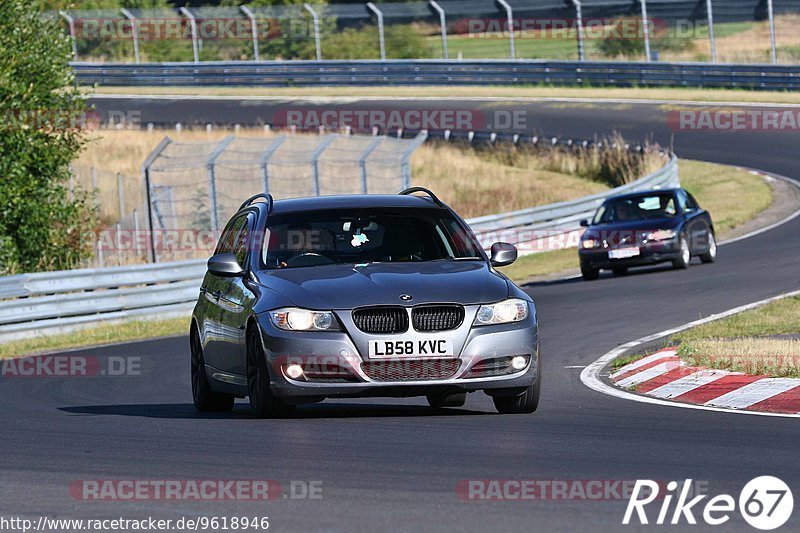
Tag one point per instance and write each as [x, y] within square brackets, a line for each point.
[102, 334]
[530, 266]
[780, 317]
[742, 342]
[732, 196]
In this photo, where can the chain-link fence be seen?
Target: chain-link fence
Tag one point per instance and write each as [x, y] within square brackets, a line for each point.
[197, 187]
[743, 31]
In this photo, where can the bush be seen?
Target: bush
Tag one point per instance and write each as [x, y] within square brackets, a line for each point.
[625, 38]
[41, 225]
[401, 41]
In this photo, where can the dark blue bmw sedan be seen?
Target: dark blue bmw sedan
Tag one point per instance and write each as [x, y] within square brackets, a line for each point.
[646, 228]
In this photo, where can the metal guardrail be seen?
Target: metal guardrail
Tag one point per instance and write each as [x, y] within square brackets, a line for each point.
[441, 72]
[54, 302]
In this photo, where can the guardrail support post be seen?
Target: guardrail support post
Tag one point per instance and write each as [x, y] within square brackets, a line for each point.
[212, 181]
[193, 24]
[264, 161]
[645, 30]
[773, 47]
[405, 170]
[315, 19]
[362, 161]
[134, 33]
[73, 37]
[510, 18]
[253, 29]
[579, 29]
[372, 7]
[711, 41]
[148, 189]
[443, 24]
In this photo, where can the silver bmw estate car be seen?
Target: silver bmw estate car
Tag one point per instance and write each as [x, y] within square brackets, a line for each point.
[359, 296]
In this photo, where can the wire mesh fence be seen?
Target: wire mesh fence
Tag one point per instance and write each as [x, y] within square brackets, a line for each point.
[197, 187]
[743, 31]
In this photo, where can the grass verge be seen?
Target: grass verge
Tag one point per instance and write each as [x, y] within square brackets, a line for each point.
[99, 335]
[481, 91]
[746, 342]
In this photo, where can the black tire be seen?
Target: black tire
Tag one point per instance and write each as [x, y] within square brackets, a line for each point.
[524, 403]
[263, 403]
[590, 274]
[205, 400]
[711, 255]
[620, 271]
[685, 256]
[447, 400]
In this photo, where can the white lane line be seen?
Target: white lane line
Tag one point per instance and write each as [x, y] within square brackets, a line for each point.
[688, 383]
[648, 374]
[591, 374]
[643, 361]
[754, 392]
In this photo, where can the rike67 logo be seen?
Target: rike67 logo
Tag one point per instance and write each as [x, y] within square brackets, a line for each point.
[765, 503]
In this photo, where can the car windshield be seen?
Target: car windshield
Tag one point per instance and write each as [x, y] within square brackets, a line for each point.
[362, 236]
[636, 208]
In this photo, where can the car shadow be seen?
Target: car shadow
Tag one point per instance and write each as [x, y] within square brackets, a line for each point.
[242, 411]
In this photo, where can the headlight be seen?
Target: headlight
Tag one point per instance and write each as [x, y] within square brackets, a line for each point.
[512, 310]
[590, 243]
[661, 235]
[303, 320]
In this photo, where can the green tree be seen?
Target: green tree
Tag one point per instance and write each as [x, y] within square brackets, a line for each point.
[41, 224]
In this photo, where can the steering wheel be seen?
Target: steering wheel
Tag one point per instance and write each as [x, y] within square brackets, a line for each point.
[308, 259]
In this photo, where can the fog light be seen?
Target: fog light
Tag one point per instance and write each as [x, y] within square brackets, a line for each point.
[518, 362]
[294, 371]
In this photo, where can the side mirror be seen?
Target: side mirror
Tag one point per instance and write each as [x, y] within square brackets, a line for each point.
[225, 265]
[503, 254]
[584, 223]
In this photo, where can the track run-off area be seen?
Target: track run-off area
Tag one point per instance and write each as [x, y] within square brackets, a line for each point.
[386, 464]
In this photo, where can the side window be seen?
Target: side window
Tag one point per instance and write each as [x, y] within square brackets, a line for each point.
[682, 200]
[228, 240]
[242, 240]
[691, 203]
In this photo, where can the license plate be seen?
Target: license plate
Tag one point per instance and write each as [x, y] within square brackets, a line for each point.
[411, 348]
[623, 253]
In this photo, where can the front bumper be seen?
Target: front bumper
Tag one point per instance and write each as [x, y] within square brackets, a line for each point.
[649, 254]
[337, 349]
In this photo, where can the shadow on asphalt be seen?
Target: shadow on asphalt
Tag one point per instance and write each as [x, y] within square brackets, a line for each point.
[242, 411]
[607, 274]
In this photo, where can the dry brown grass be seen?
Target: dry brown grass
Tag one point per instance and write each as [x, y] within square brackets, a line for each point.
[749, 46]
[752, 355]
[474, 182]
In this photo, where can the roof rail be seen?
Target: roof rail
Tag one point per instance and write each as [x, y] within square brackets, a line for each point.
[412, 190]
[265, 196]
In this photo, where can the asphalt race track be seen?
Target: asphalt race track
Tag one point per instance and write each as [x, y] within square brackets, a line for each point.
[394, 464]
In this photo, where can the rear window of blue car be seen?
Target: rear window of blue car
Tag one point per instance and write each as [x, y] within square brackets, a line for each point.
[385, 235]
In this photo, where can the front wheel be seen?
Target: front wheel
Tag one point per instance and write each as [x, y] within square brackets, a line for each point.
[590, 274]
[684, 256]
[263, 403]
[711, 255]
[525, 402]
[205, 400]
